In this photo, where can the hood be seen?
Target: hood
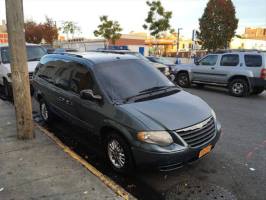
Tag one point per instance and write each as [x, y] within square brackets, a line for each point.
[169, 113]
[31, 66]
[158, 65]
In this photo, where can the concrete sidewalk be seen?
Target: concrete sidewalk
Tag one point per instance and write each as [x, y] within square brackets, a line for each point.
[39, 169]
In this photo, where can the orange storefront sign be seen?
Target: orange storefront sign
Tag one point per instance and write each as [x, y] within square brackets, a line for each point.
[3, 38]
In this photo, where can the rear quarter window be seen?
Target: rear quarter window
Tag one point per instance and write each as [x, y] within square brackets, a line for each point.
[253, 60]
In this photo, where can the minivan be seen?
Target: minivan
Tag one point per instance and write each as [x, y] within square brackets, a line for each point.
[140, 117]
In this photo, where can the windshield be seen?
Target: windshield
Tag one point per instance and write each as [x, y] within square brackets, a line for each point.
[34, 53]
[125, 78]
[139, 55]
[163, 61]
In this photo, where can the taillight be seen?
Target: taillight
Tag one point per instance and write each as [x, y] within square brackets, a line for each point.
[263, 74]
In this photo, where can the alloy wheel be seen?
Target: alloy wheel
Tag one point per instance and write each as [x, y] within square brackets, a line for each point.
[238, 88]
[116, 154]
[44, 112]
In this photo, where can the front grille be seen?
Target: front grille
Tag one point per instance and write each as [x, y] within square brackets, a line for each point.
[198, 134]
[30, 75]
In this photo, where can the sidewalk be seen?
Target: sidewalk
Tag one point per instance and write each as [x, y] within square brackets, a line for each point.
[40, 169]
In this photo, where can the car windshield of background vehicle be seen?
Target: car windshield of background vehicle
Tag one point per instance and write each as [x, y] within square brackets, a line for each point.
[125, 78]
[163, 61]
[34, 53]
[253, 60]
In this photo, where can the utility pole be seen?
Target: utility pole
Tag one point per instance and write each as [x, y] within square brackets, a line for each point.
[177, 42]
[19, 68]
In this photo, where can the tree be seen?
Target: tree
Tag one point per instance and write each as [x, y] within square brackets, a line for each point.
[70, 27]
[158, 20]
[108, 29]
[217, 25]
[50, 31]
[33, 32]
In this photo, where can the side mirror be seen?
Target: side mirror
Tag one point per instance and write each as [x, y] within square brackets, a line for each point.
[196, 62]
[89, 95]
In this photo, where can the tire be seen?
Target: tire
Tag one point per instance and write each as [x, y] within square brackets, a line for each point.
[45, 112]
[182, 79]
[123, 162]
[7, 90]
[239, 88]
[258, 90]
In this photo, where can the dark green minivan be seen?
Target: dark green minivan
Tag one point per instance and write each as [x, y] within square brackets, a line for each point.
[140, 117]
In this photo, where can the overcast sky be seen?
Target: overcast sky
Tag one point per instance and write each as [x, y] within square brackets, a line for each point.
[131, 13]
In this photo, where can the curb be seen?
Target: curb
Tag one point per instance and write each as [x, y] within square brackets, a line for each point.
[106, 180]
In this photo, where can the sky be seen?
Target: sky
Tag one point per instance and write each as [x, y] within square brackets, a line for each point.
[131, 13]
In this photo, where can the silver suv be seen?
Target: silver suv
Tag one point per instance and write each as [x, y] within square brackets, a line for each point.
[243, 73]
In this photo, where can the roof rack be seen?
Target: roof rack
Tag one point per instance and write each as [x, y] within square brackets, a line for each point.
[237, 50]
[69, 54]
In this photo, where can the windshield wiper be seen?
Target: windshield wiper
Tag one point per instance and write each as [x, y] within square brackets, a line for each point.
[157, 88]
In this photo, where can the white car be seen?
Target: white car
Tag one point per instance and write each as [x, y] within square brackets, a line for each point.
[34, 54]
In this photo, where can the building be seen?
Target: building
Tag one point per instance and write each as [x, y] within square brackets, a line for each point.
[3, 33]
[255, 33]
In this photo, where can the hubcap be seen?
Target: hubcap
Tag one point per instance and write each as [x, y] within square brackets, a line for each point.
[44, 112]
[183, 80]
[238, 88]
[116, 153]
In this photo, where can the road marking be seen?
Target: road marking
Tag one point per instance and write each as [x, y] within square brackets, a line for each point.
[106, 180]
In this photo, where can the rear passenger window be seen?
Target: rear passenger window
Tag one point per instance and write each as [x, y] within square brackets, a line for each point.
[253, 60]
[230, 60]
[81, 79]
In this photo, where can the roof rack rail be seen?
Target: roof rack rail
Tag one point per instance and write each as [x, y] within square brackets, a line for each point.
[69, 54]
[237, 50]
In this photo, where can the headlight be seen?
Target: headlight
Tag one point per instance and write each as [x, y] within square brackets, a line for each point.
[213, 114]
[162, 138]
[166, 71]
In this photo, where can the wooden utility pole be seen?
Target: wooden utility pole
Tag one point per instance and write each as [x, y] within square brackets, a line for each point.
[19, 68]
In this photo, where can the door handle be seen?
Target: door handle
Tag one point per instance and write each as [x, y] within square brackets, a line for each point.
[212, 68]
[61, 99]
[68, 102]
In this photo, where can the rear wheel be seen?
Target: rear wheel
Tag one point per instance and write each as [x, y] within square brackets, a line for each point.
[258, 90]
[182, 79]
[239, 88]
[118, 153]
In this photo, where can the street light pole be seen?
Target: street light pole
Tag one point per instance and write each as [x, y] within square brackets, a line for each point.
[177, 42]
[19, 69]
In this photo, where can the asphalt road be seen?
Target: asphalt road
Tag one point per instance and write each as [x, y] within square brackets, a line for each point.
[236, 168]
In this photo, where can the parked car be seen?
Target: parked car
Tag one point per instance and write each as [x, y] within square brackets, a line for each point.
[243, 73]
[163, 68]
[34, 54]
[140, 117]
[161, 60]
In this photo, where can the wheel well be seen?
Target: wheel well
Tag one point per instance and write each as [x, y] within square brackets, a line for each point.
[182, 71]
[39, 97]
[108, 129]
[238, 77]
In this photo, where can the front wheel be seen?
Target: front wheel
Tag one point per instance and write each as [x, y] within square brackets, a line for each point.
[182, 79]
[239, 88]
[118, 153]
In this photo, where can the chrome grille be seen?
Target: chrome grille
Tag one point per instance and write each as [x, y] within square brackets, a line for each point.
[30, 75]
[198, 134]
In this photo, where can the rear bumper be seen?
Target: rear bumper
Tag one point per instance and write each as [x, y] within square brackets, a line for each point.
[171, 160]
[257, 82]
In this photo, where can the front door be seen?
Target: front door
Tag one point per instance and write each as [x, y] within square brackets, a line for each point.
[203, 71]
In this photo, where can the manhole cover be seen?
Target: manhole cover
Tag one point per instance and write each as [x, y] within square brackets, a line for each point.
[198, 191]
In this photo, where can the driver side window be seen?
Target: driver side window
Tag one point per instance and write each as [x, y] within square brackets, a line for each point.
[209, 60]
[81, 79]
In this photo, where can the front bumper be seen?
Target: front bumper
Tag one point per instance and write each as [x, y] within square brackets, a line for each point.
[173, 159]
